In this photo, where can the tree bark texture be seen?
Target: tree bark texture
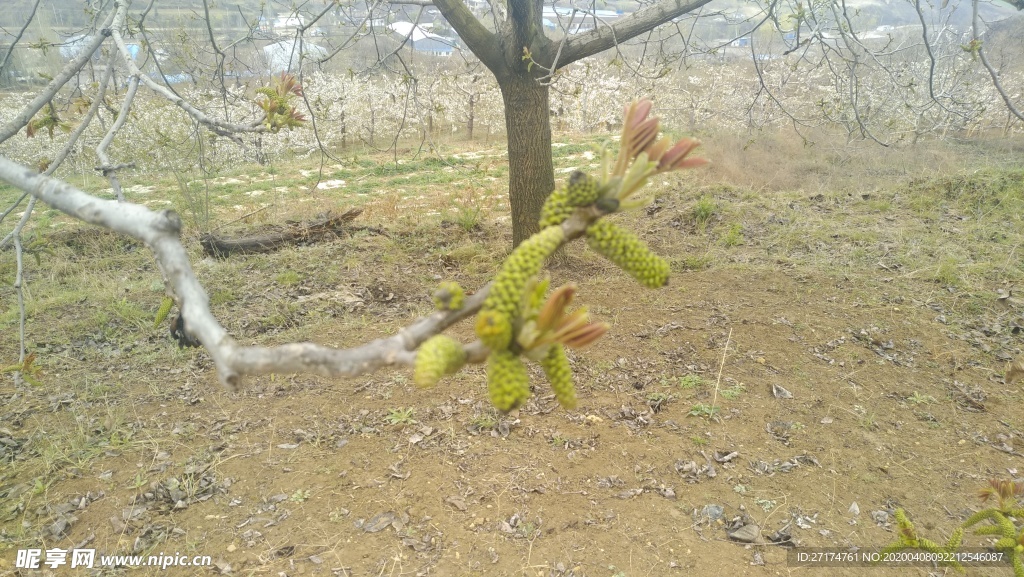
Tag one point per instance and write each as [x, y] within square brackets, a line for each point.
[530, 170]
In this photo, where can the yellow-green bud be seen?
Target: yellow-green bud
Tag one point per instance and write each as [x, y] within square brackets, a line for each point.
[629, 253]
[556, 208]
[494, 329]
[449, 296]
[508, 384]
[582, 189]
[437, 356]
[556, 367]
[506, 293]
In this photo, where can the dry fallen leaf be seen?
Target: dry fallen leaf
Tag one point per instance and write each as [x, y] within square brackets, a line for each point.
[1014, 370]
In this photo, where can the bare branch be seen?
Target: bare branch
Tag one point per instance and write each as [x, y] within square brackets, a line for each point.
[109, 170]
[160, 232]
[984, 61]
[20, 277]
[69, 145]
[113, 21]
[226, 129]
[17, 38]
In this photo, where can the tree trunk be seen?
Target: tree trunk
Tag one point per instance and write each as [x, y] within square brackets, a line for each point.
[531, 172]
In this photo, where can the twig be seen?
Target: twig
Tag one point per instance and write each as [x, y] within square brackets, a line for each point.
[160, 232]
[19, 278]
[721, 366]
[70, 144]
[17, 38]
[220, 127]
[108, 170]
[114, 20]
[991, 71]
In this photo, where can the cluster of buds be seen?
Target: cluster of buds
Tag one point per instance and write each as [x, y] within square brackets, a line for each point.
[278, 102]
[548, 329]
[516, 320]
[642, 155]
[551, 323]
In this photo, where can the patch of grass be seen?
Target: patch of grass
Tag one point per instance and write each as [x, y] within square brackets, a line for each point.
[560, 149]
[690, 382]
[484, 422]
[559, 441]
[734, 237]
[703, 211]
[466, 216]
[919, 399]
[693, 262]
[220, 297]
[699, 440]
[131, 313]
[288, 278]
[948, 273]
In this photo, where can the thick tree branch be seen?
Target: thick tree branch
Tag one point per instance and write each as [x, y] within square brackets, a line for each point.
[478, 39]
[114, 20]
[588, 43]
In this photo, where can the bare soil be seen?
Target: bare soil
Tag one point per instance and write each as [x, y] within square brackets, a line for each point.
[892, 362]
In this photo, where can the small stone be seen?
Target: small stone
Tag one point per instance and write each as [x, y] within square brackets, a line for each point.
[712, 512]
[746, 533]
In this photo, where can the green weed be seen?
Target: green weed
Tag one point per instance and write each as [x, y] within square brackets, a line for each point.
[703, 410]
[288, 278]
[703, 211]
[400, 417]
[733, 392]
[734, 237]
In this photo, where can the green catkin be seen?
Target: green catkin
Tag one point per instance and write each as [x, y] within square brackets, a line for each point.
[508, 383]
[437, 356]
[494, 329]
[163, 311]
[582, 189]
[629, 253]
[556, 209]
[449, 296]
[506, 293]
[556, 367]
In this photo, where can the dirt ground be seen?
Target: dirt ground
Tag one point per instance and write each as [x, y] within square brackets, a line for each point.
[836, 357]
